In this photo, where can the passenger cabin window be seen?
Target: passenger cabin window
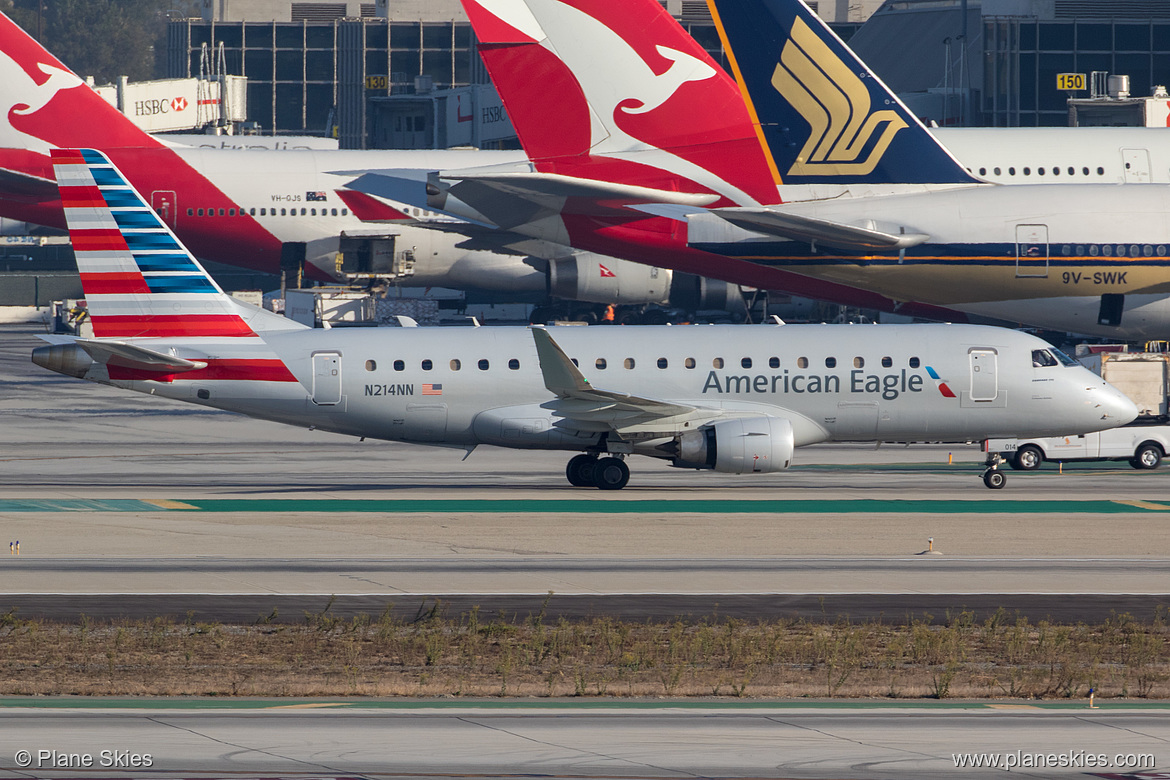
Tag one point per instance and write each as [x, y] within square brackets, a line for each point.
[830, 362]
[1042, 358]
[484, 365]
[859, 362]
[427, 365]
[576, 362]
[514, 364]
[717, 363]
[689, 362]
[802, 362]
[600, 364]
[915, 362]
[773, 362]
[371, 365]
[399, 365]
[455, 365]
[629, 363]
[190, 212]
[662, 363]
[887, 362]
[745, 362]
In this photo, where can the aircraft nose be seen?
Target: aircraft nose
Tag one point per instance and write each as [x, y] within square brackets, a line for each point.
[1115, 406]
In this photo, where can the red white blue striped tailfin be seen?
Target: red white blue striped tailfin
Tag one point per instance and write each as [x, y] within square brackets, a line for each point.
[139, 279]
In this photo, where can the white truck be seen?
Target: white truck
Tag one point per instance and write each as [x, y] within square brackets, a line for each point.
[1143, 446]
[1145, 378]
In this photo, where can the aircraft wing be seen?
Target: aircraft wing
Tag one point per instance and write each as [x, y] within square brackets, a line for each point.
[22, 186]
[507, 197]
[584, 407]
[799, 227]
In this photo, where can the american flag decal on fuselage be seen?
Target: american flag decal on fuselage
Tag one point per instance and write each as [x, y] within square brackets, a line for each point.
[432, 389]
[139, 280]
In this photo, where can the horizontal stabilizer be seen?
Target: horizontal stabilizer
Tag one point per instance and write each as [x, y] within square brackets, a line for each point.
[119, 353]
[799, 227]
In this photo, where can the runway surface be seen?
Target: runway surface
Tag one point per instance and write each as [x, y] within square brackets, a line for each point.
[602, 740]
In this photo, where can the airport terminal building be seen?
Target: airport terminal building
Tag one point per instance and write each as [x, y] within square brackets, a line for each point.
[405, 74]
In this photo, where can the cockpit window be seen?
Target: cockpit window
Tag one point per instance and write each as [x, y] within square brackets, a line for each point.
[1064, 359]
[1042, 358]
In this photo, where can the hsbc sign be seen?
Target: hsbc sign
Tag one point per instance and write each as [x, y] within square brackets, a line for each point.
[159, 106]
[171, 104]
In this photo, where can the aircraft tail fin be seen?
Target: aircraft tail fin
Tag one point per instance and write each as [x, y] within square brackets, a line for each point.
[637, 101]
[45, 105]
[138, 278]
[823, 115]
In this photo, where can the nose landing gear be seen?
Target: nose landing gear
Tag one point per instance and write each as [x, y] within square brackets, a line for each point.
[992, 476]
[609, 473]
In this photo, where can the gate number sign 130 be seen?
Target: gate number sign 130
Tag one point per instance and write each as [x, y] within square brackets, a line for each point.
[1070, 81]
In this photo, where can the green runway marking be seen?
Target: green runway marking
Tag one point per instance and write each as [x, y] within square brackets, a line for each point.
[671, 506]
[294, 705]
[75, 505]
[594, 506]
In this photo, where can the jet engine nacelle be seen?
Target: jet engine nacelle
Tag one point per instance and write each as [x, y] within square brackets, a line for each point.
[600, 279]
[738, 446]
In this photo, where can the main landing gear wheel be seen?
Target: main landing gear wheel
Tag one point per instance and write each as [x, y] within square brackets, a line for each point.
[994, 479]
[580, 470]
[611, 474]
[1148, 456]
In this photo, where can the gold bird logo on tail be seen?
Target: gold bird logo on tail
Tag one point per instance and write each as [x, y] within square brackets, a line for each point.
[836, 104]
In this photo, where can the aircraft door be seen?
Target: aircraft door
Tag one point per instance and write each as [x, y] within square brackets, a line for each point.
[1137, 165]
[857, 421]
[425, 422]
[326, 378]
[165, 204]
[1031, 251]
[984, 384]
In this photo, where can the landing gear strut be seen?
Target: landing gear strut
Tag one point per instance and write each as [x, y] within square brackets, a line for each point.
[609, 473]
[993, 477]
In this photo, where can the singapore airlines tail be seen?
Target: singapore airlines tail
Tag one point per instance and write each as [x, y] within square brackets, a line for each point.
[138, 278]
[822, 114]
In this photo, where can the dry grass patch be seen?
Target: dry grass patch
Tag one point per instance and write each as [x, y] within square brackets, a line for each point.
[507, 656]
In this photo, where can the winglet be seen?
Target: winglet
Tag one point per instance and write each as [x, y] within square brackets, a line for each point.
[560, 375]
